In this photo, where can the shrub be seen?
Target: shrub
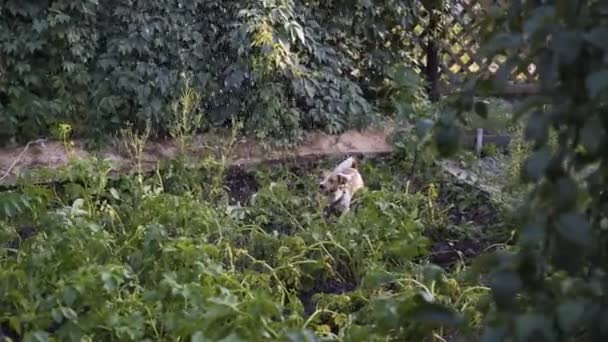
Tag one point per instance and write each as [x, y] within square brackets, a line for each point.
[543, 288]
[277, 66]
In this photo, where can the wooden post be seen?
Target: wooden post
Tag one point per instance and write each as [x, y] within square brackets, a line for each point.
[432, 56]
[479, 141]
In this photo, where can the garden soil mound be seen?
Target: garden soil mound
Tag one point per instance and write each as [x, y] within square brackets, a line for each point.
[51, 154]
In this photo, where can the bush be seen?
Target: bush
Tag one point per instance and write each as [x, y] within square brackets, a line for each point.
[544, 288]
[277, 66]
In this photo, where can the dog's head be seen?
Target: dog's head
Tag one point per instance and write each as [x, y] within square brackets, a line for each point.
[331, 183]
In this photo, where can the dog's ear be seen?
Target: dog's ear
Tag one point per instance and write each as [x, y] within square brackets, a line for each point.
[355, 163]
[343, 178]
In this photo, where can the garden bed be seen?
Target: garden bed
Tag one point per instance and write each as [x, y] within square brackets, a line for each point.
[249, 225]
[50, 154]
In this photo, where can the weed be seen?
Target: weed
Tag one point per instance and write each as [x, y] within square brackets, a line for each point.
[187, 118]
[64, 132]
[134, 143]
[489, 150]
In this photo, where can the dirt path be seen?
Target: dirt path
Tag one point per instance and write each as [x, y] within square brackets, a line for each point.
[52, 154]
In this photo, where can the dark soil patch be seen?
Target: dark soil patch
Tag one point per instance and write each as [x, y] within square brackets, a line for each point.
[468, 204]
[447, 253]
[241, 185]
[6, 332]
[331, 286]
[282, 227]
[25, 232]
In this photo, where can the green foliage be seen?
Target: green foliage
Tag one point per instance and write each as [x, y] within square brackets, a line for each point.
[14, 204]
[489, 150]
[277, 66]
[169, 257]
[492, 114]
[408, 98]
[549, 286]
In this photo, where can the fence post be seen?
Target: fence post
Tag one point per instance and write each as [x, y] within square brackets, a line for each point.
[479, 141]
[432, 56]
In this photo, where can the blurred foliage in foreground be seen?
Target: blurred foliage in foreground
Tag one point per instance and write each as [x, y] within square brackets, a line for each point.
[552, 285]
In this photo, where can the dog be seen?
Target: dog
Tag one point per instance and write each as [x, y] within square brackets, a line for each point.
[340, 185]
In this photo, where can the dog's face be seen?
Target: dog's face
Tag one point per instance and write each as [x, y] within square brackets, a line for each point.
[331, 183]
[328, 183]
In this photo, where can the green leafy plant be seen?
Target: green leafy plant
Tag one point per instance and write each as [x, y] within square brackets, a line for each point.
[540, 289]
[151, 259]
[134, 143]
[187, 119]
[272, 65]
[489, 150]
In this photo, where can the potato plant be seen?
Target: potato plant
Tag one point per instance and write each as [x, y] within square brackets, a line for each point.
[139, 258]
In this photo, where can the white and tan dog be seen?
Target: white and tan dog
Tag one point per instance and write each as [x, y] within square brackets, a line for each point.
[341, 184]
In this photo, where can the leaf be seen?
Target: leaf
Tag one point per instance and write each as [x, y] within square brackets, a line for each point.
[447, 140]
[304, 335]
[538, 19]
[533, 231]
[592, 135]
[38, 336]
[567, 45]
[198, 337]
[378, 278]
[505, 285]
[435, 313]
[423, 127]
[405, 78]
[76, 209]
[69, 296]
[502, 42]
[598, 36]
[575, 228]
[432, 273]
[570, 313]
[481, 108]
[493, 334]
[532, 326]
[404, 109]
[566, 193]
[234, 79]
[15, 324]
[40, 25]
[68, 313]
[537, 129]
[115, 194]
[536, 165]
[297, 30]
[597, 83]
